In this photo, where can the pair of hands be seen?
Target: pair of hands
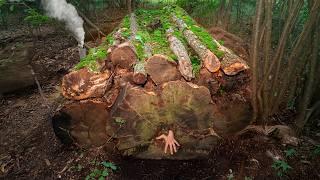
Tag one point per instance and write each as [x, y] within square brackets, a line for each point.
[169, 142]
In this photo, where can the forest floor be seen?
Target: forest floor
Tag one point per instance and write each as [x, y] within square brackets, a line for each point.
[30, 150]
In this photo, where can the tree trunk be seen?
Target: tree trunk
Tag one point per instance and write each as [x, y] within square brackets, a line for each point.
[185, 66]
[210, 61]
[254, 58]
[231, 64]
[308, 90]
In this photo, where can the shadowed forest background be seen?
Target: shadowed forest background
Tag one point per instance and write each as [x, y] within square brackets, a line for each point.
[279, 39]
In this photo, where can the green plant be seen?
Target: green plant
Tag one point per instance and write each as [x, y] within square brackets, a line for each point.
[230, 175]
[281, 167]
[316, 151]
[78, 167]
[196, 65]
[290, 152]
[120, 121]
[35, 18]
[102, 171]
[247, 178]
[2, 2]
[90, 61]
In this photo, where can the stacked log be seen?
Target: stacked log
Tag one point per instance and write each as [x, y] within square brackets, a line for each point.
[139, 75]
[131, 101]
[124, 55]
[185, 66]
[231, 63]
[161, 69]
[211, 61]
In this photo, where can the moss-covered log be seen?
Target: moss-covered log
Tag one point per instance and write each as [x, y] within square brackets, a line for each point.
[210, 61]
[185, 66]
[231, 63]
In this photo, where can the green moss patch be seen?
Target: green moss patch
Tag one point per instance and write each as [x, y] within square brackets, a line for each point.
[90, 61]
[201, 32]
[155, 38]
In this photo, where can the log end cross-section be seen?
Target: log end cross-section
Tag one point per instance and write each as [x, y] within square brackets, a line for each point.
[233, 64]
[83, 84]
[139, 75]
[124, 56]
[211, 62]
[161, 69]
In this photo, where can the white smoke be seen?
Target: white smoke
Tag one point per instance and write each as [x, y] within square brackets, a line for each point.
[67, 13]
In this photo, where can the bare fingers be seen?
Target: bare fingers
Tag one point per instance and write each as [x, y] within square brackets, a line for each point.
[176, 142]
[166, 147]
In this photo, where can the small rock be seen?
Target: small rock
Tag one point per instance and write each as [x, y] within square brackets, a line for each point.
[305, 162]
[47, 162]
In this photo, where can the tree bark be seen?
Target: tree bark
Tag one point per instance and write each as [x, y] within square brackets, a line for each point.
[308, 92]
[210, 61]
[185, 66]
[296, 51]
[254, 58]
[140, 75]
[231, 64]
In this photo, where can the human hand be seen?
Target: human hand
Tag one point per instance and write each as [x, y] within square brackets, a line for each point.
[169, 142]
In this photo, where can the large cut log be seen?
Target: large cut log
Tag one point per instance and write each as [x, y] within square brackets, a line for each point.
[210, 61]
[185, 108]
[83, 84]
[185, 66]
[83, 123]
[138, 116]
[124, 56]
[231, 63]
[15, 70]
[161, 69]
[136, 109]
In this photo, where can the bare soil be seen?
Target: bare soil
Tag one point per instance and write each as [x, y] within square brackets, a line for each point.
[30, 150]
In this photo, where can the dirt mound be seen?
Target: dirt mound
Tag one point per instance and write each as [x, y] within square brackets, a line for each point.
[235, 43]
